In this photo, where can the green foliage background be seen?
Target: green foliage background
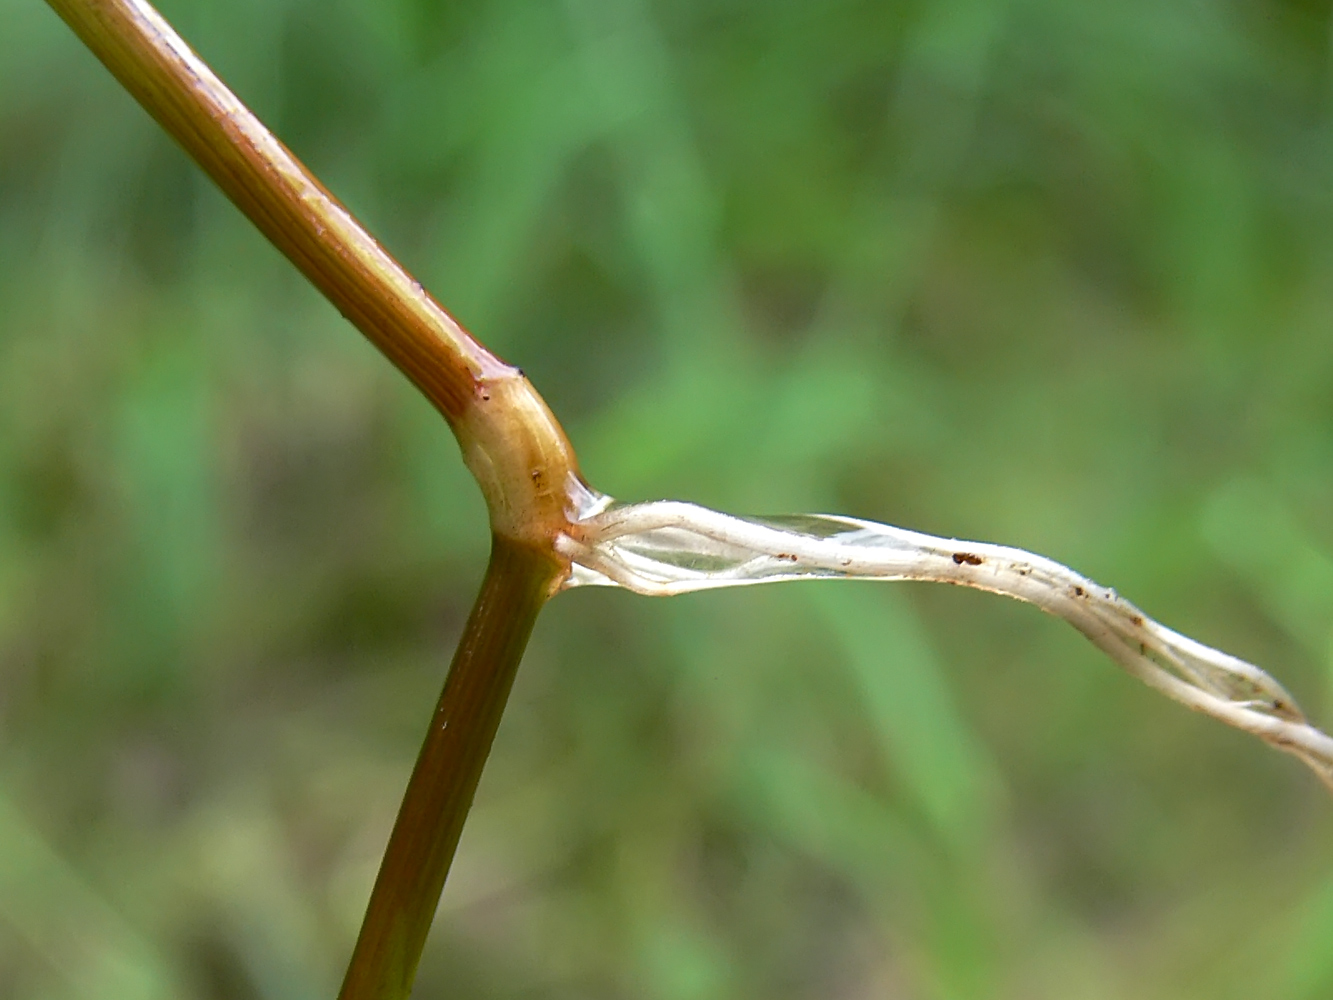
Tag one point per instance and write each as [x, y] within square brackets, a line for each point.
[1049, 273]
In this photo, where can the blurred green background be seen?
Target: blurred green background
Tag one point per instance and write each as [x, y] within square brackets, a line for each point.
[1048, 273]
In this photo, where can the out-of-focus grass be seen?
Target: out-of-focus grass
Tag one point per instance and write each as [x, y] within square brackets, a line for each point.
[1051, 274]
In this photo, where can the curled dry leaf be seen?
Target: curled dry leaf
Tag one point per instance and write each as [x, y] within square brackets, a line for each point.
[669, 547]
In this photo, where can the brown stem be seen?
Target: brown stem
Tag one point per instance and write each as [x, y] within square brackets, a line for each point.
[512, 443]
[510, 440]
[431, 818]
[283, 199]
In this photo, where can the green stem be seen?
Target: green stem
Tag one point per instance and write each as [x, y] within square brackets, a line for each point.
[440, 791]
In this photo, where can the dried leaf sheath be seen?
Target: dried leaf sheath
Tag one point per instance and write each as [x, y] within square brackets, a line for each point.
[668, 547]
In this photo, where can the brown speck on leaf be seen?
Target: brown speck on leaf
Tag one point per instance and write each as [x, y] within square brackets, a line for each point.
[1137, 620]
[967, 557]
[1079, 591]
[787, 556]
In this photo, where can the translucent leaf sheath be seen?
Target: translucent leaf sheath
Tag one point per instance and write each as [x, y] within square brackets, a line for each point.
[668, 547]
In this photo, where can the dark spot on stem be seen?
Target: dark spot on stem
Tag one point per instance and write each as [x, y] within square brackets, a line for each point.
[1079, 591]
[967, 557]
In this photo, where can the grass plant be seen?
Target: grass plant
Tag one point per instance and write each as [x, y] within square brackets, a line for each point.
[550, 530]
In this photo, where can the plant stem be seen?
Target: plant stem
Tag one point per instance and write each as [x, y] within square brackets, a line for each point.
[511, 442]
[282, 198]
[440, 791]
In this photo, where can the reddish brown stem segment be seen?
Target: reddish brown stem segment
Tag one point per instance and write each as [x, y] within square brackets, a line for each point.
[440, 792]
[283, 199]
[510, 440]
